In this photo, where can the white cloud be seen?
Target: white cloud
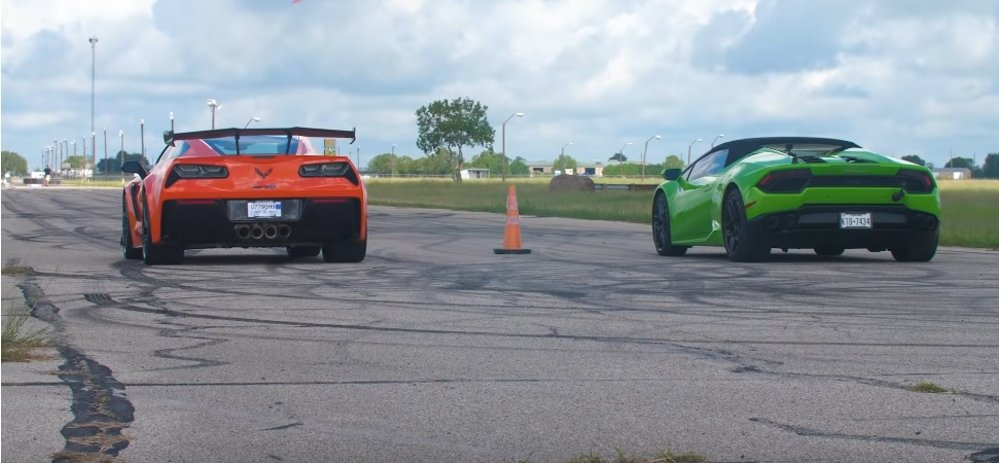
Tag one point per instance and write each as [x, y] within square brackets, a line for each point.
[901, 76]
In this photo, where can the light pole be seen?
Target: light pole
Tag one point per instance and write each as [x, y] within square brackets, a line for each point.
[503, 174]
[93, 78]
[214, 105]
[646, 149]
[621, 151]
[105, 152]
[252, 120]
[65, 151]
[562, 152]
[171, 121]
[121, 135]
[142, 137]
[93, 151]
[358, 158]
[691, 145]
[721, 135]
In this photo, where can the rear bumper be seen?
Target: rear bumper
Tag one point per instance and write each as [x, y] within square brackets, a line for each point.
[224, 223]
[815, 226]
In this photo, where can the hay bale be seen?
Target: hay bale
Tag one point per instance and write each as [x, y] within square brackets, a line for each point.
[562, 183]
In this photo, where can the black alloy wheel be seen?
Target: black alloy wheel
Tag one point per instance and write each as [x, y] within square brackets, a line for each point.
[661, 228]
[740, 244]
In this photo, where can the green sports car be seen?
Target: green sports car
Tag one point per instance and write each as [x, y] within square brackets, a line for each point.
[756, 194]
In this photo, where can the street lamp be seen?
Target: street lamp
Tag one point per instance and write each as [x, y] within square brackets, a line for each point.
[646, 149]
[562, 153]
[142, 137]
[621, 151]
[171, 121]
[121, 135]
[691, 145]
[93, 78]
[93, 151]
[252, 120]
[214, 105]
[503, 174]
[105, 152]
[721, 135]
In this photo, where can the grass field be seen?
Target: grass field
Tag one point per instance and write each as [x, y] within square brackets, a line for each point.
[970, 207]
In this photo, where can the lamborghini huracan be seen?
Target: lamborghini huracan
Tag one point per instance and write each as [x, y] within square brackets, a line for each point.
[754, 195]
[246, 188]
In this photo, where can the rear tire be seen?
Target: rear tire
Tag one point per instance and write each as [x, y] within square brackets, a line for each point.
[130, 252]
[345, 251]
[661, 228]
[921, 249]
[829, 251]
[158, 255]
[740, 244]
[303, 251]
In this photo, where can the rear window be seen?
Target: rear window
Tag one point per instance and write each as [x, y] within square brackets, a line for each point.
[266, 145]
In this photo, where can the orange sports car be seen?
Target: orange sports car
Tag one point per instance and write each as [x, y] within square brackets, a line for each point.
[246, 188]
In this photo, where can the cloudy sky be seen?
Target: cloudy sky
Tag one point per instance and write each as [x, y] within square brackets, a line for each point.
[897, 76]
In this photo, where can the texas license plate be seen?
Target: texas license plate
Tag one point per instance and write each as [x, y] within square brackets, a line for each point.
[263, 209]
[861, 220]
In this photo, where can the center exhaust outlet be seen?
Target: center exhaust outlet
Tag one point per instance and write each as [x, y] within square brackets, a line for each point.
[270, 231]
[256, 231]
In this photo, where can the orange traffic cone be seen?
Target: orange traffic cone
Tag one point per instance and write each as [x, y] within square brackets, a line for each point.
[511, 234]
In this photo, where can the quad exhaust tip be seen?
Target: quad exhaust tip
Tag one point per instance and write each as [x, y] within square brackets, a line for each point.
[258, 231]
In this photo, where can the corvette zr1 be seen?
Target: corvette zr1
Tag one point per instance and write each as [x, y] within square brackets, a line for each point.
[753, 195]
[252, 187]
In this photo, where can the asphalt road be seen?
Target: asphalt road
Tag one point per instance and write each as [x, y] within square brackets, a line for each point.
[435, 349]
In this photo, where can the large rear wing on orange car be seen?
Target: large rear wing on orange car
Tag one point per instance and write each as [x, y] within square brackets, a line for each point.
[169, 137]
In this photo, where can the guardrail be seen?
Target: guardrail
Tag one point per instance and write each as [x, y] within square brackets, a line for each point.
[624, 186]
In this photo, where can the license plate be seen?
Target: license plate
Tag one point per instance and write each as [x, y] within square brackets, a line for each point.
[263, 209]
[861, 220]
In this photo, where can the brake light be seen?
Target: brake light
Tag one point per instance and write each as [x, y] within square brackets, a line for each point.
[915, 181]
[785, 181]
[200, 171]
[329, 169]
[195, 171]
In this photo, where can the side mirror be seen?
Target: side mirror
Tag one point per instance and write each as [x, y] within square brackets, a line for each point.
[133, 167]
[671, 174]
[168, 137]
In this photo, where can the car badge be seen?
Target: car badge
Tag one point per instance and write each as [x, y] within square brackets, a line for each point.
[263, 174]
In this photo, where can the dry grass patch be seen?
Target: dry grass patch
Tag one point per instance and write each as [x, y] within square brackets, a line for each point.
[18, 344]
[928, 387]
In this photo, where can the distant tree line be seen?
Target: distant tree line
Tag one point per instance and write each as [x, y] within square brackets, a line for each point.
[988, 169]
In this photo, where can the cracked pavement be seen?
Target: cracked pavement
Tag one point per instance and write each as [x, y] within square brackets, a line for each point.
[434, 349]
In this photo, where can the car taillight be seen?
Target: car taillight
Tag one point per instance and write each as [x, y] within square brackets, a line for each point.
[915, 181]
[328, 169]
[200, 171]
[785, 181]
[195, 171]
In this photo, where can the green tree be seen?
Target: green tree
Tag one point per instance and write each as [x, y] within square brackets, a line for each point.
[991, 167]
[519, 167]
[619, 157]
[959, 162]
[385, 163]
[113, 165]
[76, 162]
[673, 162]
[13, 163]
[489, 159]
[454, 125]
[914, 159]
[437, 163]
[564, 162]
